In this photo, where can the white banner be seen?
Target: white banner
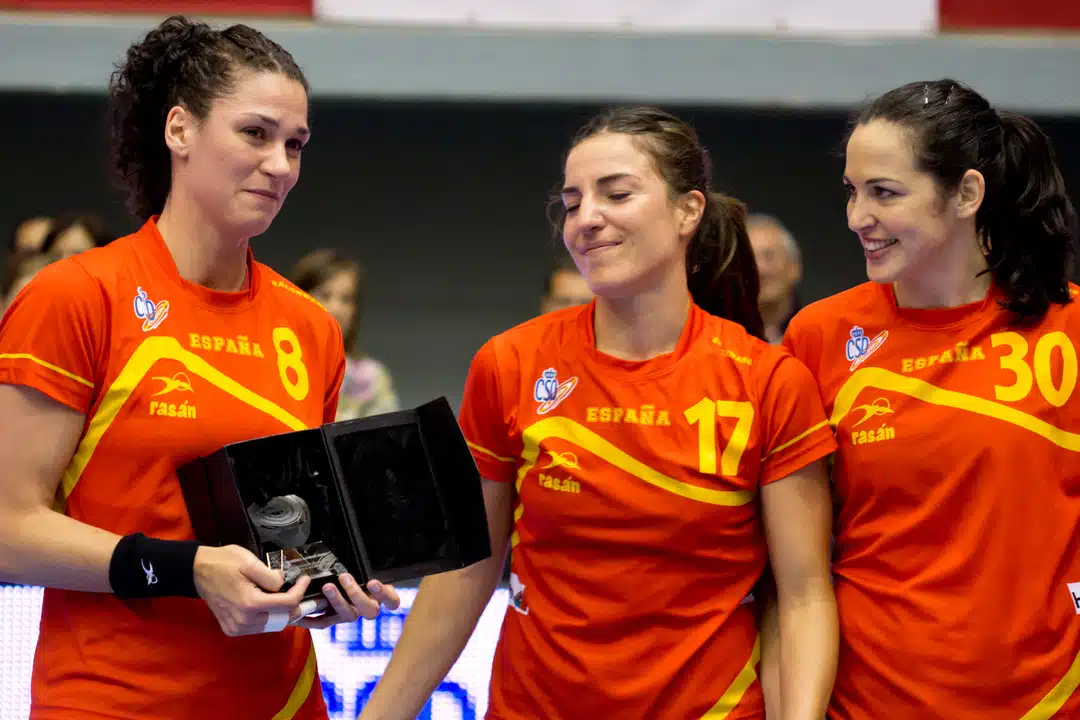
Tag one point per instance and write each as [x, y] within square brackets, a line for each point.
[351, 658]
[910, 17]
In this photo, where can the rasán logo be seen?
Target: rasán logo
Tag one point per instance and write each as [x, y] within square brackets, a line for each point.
[180, 381]
[152, 314]
[549, 392]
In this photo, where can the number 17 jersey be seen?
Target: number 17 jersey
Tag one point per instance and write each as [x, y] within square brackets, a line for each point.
[165, 371]
[637, 529]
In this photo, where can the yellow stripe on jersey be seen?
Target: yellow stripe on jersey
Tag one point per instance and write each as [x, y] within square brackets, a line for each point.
[149, 352]
[566, 429]
[300, 692]
[47, 365]
[485, 451]
[734, 694]
[1056, 698]
[797, 438]
[518, 512]
[882, 379]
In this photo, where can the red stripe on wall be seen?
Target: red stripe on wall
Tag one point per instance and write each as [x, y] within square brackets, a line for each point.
[304, 8]
[1009, 14]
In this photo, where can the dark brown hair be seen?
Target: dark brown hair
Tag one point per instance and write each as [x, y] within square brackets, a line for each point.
[178, 63]
[720, 267]
[317, 268]
[1027, 224]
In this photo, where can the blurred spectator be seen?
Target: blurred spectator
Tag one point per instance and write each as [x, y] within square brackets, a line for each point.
[337, 283]
[780, 267]
[73, 234]
[21, 268]
[565, 287]
[29, 233]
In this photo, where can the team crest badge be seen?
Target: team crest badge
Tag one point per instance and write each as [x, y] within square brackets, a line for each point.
[152, 314]
[859, 347]
[549, 392]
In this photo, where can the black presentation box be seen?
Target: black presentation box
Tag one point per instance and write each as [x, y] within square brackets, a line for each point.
[390, 497]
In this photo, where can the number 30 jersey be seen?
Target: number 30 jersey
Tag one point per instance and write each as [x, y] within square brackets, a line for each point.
[957, 485]
[165, 371]
[637, 528]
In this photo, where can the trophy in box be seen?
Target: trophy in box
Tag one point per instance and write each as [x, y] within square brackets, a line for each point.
[390, 497]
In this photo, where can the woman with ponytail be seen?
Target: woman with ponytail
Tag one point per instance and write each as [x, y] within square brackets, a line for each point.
[122, 363]
[950, 380]
[644, 456]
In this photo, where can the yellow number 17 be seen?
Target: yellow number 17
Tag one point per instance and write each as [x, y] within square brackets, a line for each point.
[705, 414]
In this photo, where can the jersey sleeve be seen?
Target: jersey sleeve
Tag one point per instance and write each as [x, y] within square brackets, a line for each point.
[485, 419]
[796, 430]
[51, 335]
[335, 373]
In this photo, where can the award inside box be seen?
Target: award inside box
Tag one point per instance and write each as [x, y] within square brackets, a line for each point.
[391, 497]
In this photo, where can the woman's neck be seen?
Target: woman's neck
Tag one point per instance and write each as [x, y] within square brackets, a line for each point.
[955, 277]
[643, 326]
[202, 253]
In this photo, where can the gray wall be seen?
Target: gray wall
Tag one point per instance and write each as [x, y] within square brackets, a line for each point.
[445, 204]
[787, 67]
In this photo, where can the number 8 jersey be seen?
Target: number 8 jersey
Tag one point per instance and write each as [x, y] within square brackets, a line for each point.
[165, 371]
[637, 530]
[957, 485]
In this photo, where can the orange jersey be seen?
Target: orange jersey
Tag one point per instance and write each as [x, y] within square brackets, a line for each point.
[637, 532]
[165, 371]
[957, 486]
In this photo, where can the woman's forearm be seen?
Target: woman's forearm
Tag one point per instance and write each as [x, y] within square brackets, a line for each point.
[39, 546]
[808, 651]
[442, 618]
[769, 669]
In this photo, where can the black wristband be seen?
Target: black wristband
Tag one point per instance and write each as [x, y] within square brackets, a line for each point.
[143, 567]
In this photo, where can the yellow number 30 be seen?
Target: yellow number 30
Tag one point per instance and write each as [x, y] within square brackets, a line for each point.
[1015, 362]
[290, 363]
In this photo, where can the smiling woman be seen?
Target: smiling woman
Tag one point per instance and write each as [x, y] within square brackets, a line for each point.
[948, 195]
[207, 131]
[645, 455]
[950, 380]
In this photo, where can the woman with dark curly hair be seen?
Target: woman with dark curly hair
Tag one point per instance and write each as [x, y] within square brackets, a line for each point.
[124, 362]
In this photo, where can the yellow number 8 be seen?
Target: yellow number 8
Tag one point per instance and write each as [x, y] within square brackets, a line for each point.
[290, 357]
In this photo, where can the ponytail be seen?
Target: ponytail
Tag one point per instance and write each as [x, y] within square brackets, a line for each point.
[720, 267]
[1031, 224]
